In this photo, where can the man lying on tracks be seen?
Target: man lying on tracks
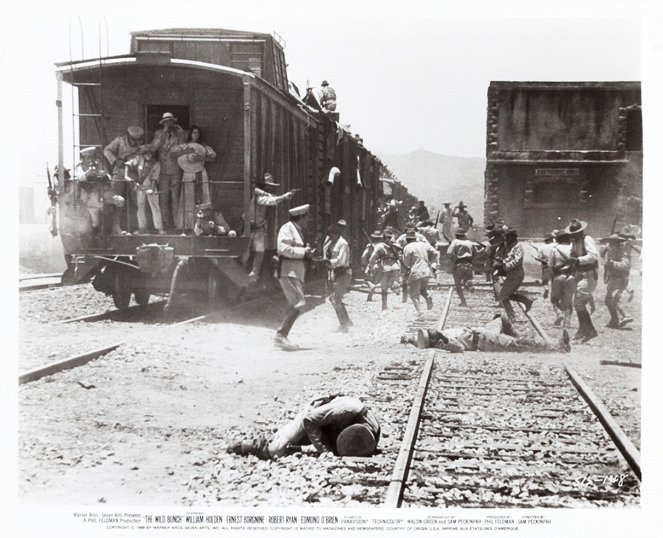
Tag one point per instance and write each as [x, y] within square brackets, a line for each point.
[339, 424]
[497, 335]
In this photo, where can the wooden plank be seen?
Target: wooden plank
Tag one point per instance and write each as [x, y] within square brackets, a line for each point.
[622, 442]
[66, 364]
[621, 363]
[537, 326]
[394, 495]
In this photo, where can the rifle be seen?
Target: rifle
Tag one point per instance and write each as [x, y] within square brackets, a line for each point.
[437, 219]
[53, 210]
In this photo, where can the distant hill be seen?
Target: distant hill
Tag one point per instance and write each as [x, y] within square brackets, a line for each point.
[438, 178]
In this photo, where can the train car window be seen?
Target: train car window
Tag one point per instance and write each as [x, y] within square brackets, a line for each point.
[154, 113]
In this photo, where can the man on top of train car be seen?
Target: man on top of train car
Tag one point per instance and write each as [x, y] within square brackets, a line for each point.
[170, 179]
[263, 198]
[294, 254]
[327, 97]
[121, 150]
[496, 335]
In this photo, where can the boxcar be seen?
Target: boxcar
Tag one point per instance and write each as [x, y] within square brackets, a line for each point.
[234, 86]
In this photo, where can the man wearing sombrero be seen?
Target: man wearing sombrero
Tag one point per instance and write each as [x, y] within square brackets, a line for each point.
[170, 178]
[585, 262]
[464, 219]
[616, 272]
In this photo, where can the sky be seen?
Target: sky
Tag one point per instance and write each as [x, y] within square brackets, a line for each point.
[406, 78]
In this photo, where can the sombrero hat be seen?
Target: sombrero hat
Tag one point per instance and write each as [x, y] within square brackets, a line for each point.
[192, 162]
[575, 226]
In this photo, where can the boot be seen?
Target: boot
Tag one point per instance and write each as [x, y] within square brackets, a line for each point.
[429, 302]
[404, 298]
[580, 333]
[342, 315]
[384, 300]
[590, 331]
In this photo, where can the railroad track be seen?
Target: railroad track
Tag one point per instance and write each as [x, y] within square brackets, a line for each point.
[39, 283]
[486, 432]
[82, 358]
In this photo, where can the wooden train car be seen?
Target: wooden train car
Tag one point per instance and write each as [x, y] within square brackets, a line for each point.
[234, 86]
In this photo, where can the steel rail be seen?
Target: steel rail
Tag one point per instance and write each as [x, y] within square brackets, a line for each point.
[110, 314]
[394, 496]
[619, 438]
[52, 283]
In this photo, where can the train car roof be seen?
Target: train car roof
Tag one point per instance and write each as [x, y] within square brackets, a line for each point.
[201, 33]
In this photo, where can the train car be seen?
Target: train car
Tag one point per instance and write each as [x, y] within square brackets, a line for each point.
[234, 86]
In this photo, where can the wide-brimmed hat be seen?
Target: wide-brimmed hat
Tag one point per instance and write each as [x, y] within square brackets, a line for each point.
[614, 238]
[423, 340]
[461, 204]
[461, 232]
[87, 152]
[356, 440]
[168, 116]
[575, 226]
[193, 162]
[377, 234]
[268, 180]
[299, 210]
[324, 83]
[389, 232]
[136, 132]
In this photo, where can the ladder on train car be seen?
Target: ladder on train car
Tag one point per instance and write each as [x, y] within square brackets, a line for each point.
[98, 84]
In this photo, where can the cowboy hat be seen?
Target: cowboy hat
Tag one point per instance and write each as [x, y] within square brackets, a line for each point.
[377, 235]
[299, 210]
[193, 162]
[356, 440]
[423, 339]
[461, 204]
[168, 116]
[324, 83]
[575, 226]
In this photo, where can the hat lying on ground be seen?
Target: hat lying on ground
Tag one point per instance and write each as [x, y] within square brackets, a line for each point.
[575, 226]
[135, 132]
[168, 116]
[299, 210]
[356, 440]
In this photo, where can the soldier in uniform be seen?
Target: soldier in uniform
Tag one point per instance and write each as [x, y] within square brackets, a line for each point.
[337, 254]
[615, 274]
[420, 262]
[510, 266]
[585, 260]
[120, 151]
[386, 257]
[294, 253]
[338, 424]
[263, 198]
[462, 252]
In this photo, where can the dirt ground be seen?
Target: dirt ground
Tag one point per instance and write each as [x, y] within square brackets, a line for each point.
[141, 424]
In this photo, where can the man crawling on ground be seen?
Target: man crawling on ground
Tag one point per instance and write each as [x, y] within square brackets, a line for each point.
[338, 424]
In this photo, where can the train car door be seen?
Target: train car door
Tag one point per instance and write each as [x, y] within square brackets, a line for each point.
[154, 113]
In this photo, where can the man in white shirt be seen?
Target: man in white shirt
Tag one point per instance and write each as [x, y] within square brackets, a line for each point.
[419, 260]
[336, 252]
[293, 253]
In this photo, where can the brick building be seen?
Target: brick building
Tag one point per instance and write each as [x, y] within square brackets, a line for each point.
[557, 150]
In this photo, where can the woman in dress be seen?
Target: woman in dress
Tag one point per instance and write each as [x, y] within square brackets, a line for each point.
[194, 194]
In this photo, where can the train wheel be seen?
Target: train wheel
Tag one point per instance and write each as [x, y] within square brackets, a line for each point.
[213, 288]
[121, 290]
[142, 296]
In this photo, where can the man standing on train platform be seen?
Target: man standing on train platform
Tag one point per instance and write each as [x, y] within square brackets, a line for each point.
[447, 220]
[121, 150]
[585, 262]
[387, 258]
[616, 271]
[263, 198]
[336, 253]
[510, 266]
[464, 219]
[462, 251]
[419, 262]
[294, 255]
[170, 178]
